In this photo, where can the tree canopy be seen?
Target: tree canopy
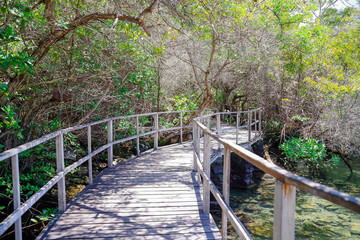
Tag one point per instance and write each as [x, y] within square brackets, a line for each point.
[68, 62]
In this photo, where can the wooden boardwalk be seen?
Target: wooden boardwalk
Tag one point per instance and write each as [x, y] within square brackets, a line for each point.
[154, 196]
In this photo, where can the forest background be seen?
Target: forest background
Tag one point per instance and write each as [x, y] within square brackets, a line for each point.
[67, 62]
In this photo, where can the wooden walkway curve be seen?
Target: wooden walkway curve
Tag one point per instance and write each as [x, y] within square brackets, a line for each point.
[157, 195]
[154, 196]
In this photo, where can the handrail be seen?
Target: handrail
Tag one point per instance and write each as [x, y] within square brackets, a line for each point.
[59, 179]
[285, 185]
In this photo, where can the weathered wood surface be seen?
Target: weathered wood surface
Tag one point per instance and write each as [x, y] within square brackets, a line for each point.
[154, 196]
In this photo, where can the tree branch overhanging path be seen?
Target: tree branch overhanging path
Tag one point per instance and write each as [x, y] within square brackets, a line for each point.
[57, 35]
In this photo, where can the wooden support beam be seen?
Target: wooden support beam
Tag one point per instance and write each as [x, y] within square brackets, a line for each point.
[218, 127]
[206, 168]
[60, 168]
[138, 138]
[195, 144]
[226, 189]
[284, 211]
[16, 193]
[156, 135]
[237, 127]
[181, 127]
[110, 139]
[249, 124]
[260, 127]
[90, 159]
[255, 128]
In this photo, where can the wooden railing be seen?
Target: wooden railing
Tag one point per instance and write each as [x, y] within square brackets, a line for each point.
[59, 179]
[285, 185]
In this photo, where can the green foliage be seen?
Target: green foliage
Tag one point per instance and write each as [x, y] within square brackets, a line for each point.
[309, 151]
[300, 118]
[45, 216]
[182, 103]
[37, 176]
[9, 120]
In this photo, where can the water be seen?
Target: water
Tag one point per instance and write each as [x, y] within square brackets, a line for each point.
[315, 217]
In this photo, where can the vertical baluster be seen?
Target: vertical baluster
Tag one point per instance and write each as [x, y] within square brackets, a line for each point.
[226, 189]
[237, 128]
[110, 139]
[60, 168]
[249, 125]
[90, 159]
[16, 193]
[181, 127]
[206, 167]
[198, 137]
[218, 127]
[156, 136]
[255, 112]
[138, 138]
[208, 121]
[284, 211]
[195, 144]
[260, 127]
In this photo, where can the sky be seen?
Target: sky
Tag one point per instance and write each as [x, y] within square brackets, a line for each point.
[340, 4]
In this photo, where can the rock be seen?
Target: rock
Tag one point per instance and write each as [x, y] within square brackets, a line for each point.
[355, 228]
[344, 217]
[251, 207]
[259, 228]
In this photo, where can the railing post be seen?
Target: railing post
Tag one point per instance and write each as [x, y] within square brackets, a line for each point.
[260, 127]
[226, 189]
[255, 112]
[195, 144]
[206, 168]
[90, 159]
[284, 211]
[156, 136]
[60, 168]
[198, 137]
[237, 128]
[249, 124]
[16, 193]
[218, 127]
[181, 127]
[110, 139]
[137, 138]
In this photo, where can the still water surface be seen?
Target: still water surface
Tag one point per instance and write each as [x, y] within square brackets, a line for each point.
[315, 218]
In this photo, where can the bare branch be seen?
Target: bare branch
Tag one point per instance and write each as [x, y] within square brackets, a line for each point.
[58, 35]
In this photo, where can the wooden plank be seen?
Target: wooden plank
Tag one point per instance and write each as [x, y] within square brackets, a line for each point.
[194, 236]
[138, 205]
[108, 219]
[130, 232]
[133, 210]
[130, 225]
[129, 215]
